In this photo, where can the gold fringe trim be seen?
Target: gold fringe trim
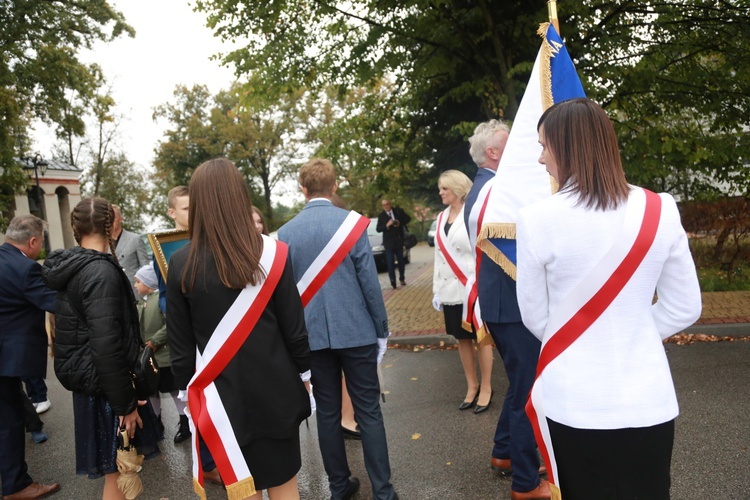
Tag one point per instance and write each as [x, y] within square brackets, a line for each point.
[484, 338]
[466, 325]
[498, 257]
[554, 492]
[545, 73]
[498, 230]
[241, 489]
[199, 489]
[505, 230]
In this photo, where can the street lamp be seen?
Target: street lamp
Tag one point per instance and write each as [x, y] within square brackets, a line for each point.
[37, 164]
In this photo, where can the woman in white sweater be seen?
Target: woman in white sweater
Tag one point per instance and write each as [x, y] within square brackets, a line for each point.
[453, 255]
[604, 389]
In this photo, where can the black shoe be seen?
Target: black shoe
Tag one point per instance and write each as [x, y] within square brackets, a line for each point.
[351, 488]
[349, 434]
[466, 405]
[393, 284]
[183, 432]
[480, 409]
[403, 282]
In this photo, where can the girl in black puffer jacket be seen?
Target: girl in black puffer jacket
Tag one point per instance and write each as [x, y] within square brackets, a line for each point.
[97, 342]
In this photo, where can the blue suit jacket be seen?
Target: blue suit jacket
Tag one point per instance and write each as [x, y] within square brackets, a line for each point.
[348, 310]
[23, 299]
[497, 290]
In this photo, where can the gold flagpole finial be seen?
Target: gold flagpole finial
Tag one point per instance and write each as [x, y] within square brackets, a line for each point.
[552, 10]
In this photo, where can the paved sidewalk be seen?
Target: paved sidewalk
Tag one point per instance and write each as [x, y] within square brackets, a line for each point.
[413, 320]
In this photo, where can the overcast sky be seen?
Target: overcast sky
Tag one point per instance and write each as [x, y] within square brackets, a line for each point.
[172, 46]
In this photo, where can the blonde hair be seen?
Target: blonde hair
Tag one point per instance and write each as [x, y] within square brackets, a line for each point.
[318, 176]
[457, 182]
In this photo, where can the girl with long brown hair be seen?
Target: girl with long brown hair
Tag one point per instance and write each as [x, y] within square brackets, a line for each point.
[232, 302]
[97, 342]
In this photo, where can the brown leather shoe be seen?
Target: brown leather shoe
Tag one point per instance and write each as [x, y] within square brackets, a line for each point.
[33, 491]
[213, 477]
[541, 492]
[502, 465]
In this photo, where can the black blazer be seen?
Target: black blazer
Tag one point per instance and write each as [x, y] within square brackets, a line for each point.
[23, 299]
[260, 387]
[393, 236]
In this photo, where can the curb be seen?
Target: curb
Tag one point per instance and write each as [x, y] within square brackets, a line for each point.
[722, 330]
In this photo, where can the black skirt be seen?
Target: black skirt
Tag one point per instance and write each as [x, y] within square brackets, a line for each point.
[453, 323]
[96, 431]
[166, 380]
[273, 462]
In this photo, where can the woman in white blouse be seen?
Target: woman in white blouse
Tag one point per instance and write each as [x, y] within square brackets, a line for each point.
[453, 250]
[605, 390]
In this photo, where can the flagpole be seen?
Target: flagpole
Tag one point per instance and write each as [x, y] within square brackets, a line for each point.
[552, 10]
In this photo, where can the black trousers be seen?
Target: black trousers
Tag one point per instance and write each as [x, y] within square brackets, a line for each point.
[13, 470]
[618, 464]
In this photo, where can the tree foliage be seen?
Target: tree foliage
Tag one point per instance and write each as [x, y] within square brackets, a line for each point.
[40, 72]
[259, 137]
[672, 74]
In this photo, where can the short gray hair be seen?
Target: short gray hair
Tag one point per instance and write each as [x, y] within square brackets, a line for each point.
[482, 139]
[24, 227]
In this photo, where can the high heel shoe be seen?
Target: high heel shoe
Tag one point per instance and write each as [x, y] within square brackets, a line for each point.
[466, 405]
[481, 408]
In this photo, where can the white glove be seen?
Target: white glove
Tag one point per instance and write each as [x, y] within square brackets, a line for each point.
[305, 376]
[436, 303]
[182, 396]
[313, 406]
[382, 346]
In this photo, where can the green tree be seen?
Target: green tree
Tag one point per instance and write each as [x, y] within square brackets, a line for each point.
[261, 138]
[672, 74]
[40, 71]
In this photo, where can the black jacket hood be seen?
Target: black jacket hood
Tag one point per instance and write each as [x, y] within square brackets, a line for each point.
[62, 265]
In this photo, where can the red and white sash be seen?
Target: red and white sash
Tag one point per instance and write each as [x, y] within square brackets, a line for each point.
[326, 263]
[585, 304]
[476, 219]
[471, 314]
[207, 412]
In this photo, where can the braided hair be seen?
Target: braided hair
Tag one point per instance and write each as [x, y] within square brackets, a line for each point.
[93, 216]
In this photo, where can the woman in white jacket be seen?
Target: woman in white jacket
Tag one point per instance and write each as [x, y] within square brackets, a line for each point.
[453, 251]
[590, 259]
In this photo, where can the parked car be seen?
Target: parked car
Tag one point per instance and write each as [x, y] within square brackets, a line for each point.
[431, 233]
[378, 250]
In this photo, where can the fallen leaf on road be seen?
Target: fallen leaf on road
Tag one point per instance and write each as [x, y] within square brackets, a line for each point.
[693, 338]
[414, 378]
[416, 436]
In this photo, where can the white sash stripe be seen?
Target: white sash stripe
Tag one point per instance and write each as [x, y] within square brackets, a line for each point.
[476, 209]
[224, 427]
[325, 255]
[448, 249]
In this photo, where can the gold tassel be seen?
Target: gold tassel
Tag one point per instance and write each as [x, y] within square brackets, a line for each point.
[484, 338]
[498, 257]
[555, 493]
[241, 489]
[545, 74]
[466, 325]
[199, 489]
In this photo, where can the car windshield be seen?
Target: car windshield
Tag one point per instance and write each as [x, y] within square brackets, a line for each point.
[433, 226]
[371, 229]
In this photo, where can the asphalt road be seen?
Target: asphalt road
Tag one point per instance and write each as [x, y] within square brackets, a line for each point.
[438, 452]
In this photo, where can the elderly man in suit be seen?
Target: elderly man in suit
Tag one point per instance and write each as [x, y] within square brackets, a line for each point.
[392, 223]
[515, 449]
[23, 348]
[348, 329]
[130, 248]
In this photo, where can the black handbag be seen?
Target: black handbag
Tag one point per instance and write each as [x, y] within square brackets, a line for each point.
[145, 374]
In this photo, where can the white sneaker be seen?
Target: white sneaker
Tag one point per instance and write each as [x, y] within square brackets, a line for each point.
[43, 406]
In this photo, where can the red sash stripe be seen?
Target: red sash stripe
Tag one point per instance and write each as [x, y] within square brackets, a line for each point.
[330, 267]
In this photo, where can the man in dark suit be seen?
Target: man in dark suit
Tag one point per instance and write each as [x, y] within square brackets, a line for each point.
[392, 222]
[347, 329]
[23, 347]
[130, 248]
[515, 448]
